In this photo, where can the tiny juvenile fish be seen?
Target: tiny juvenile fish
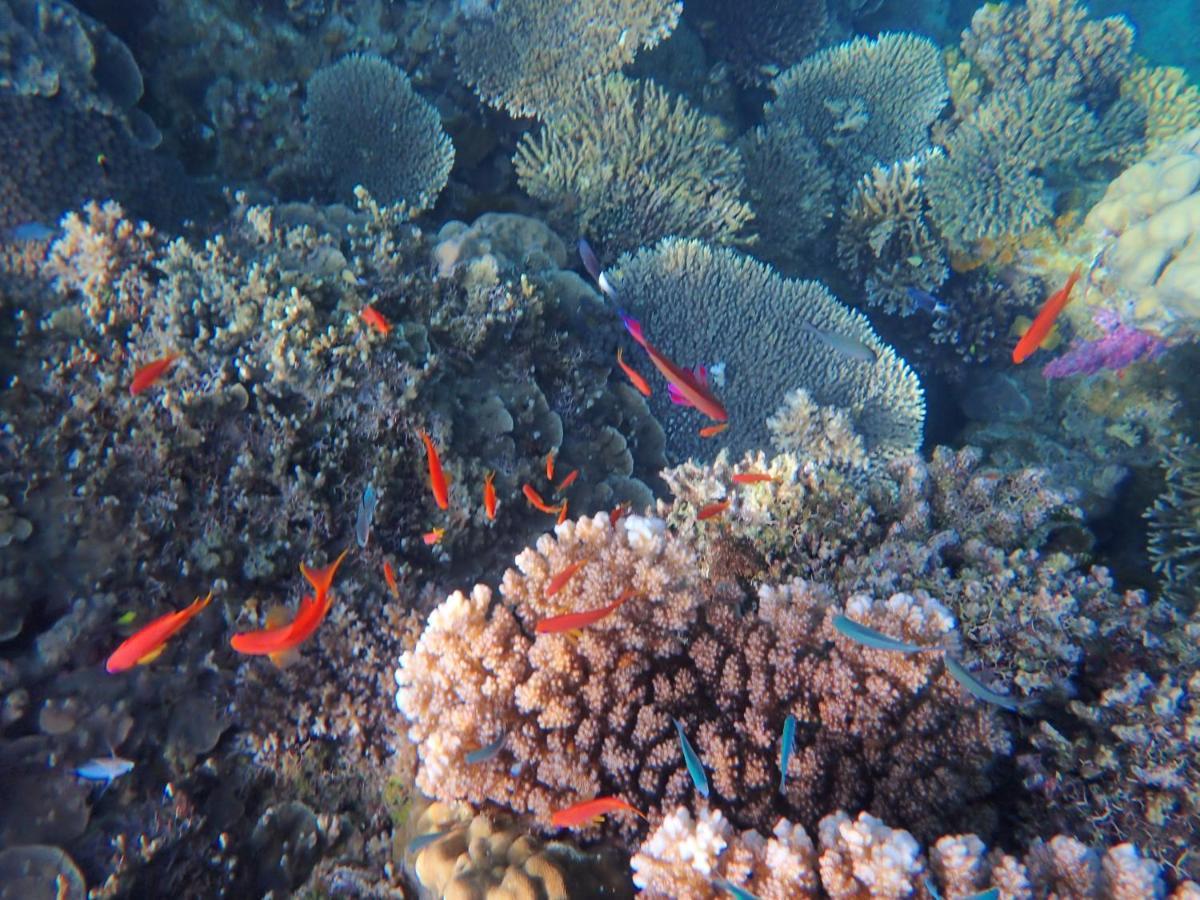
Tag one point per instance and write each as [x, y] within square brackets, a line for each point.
[489, 495]
[713, 509]
[751, 478]
[104, 768]
[389, 577]
[713, 430]
[433, 537]
[725, 884]
[984, 693]
[149, 373]
[366, 514]
[437, 478]
[590, 811]
[550, 466]
[567, 482]
[485, 753]
[692, 761]
[562, 513]
[869, 637]
[614, 515]
[926, 302]
[145, 644]
[633, 375]
[786, 745]
[849, 347]
[376, 320]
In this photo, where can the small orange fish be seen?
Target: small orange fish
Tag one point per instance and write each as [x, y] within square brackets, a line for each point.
[282, 638]
[573, 621]
[376, 320]
[562, 513]
[145, 644]
[1041, 326]
[536, 501]
[322, 579]
[550, 466]
[635, 379]
[713, 430]
[433, 537]
[437, 478]
[389, 576]
[567, 482]
[489, 495]
[713, 509]
[558, 581]
[615, 515]
[751, 478]
[150, 373]
[590, 811]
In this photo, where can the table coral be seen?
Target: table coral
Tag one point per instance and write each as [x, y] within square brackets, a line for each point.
[532, 58]
[625, 164]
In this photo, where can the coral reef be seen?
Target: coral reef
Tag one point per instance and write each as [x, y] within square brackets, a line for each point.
[752, 329]
[367, 126]
[761, 38]
[1171, 103]
[624, 164]
[864, 102]
[1174, 543]
[811, 432]
[533, 58]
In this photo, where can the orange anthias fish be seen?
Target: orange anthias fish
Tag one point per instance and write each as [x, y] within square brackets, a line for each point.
[276, 641]
[489, 495]
[150, 640]
[689, 387]
[389, 576]
[376, 320]
[615, 515]
[558, 581]
[1041, 326]
[751, 478]
[590, 811]
[635, 379]
[322, 579]
[573, 621]
[713, 430]
[433, 537]
[550, 466]
[536, 501]
[562, 513]
[713, 509]
[437, 478]
[567, 482]
[150, 373]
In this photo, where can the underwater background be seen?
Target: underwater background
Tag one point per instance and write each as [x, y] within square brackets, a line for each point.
[612, 448]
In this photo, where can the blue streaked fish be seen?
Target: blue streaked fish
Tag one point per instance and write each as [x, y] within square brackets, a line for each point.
[785, 749]
[366, 514]
[31, 231]
[724, 884]
[105, 768]
[869, 637]
[421, 841]
[850, 347]
[984, 693]
[926, 302]
[483, 754]
[692, 761]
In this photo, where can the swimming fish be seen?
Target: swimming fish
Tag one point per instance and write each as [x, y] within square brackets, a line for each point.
[786, 745]
[31, 231]
[685, 382]
[276, 640]
[433, 537]
[437, 478]
[614, 515]
[105, 768]
[536, 501]
[376, 320]
[592, 263]
[713, 509]
[145, 644]
[559, 581]
[562, 513]
[366, 514]
[869, 637]
[483, 754]
[725, 884]
[150, 373]
[851, 348]
[567, 482]
[751, 477]
[713, 430]
[421, 841]
[1054, 305]
[590, 811]
[576, 620]
[389, 576]
[984, 693]
[989, 894]
[550, 466]
[489, 495]
[322, 579]
[692, 761]
[926, 302]
[632, 374]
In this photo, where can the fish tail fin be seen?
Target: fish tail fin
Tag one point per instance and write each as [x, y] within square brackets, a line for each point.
[322, 579]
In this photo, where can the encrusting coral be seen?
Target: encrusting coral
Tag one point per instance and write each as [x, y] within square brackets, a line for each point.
[532, 58]
[753, 330]
[625, 164]
[367, 126]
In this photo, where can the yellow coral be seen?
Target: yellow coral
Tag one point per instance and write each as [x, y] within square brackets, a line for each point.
[1170, 101]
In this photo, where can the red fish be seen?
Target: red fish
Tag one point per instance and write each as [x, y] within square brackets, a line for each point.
[751, 478]
[489, 495]
[150, 640]
[280, 639]
[713, 509]
[550, 466]
[150, 373]
[389, 576]
[559, 581]
[573, 621]
[615, 515]
[562, 513]
[433, 537]
[690, 389]
[590, 811]
[536, 501]
[567, 482]
[713, 430]
[322, 579]
[376, 320]
[437, 478]
[1032, 339]
[637, 380]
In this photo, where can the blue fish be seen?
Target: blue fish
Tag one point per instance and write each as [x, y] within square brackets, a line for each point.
[483, 754]
[692, 761]
[785, 748]
[421, 841]
[984, 693]
[31, 231]
[105, 768]
[366, 514]
[926, 302]
[869, 637]
[725, 884]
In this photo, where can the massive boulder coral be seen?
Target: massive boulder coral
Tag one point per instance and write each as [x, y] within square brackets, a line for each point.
[754, 331]
[532, 58]
[625, 164]
[593, 715]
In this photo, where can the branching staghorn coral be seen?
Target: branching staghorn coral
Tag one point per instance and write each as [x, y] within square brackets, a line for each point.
[532, 58]
[1170, 101]
[865, 101]
[1174, 543]
[625, 164]
[717, 308]
[369, 127]
[761, 38]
